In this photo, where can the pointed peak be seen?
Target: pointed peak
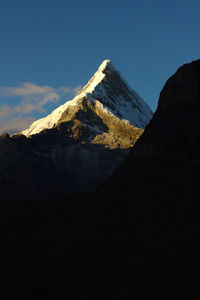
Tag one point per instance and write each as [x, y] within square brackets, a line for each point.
[104, 64]
[97, 78]
[107, 63]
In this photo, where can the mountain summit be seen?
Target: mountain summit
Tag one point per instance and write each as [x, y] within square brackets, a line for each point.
[78, 145]
[109, 93]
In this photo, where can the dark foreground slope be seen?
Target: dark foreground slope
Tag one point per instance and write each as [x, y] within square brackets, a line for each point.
[138, 237]
[89, 247]
[166, 158]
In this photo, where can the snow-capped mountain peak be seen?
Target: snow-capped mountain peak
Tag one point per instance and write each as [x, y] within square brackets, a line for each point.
[109, 88]
[78, 145]
[97, 78]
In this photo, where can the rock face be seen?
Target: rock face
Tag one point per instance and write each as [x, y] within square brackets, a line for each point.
[159, 192]
[166, 158]
[79, 144]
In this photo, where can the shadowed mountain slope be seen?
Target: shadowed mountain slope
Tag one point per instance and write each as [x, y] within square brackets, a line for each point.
[166, 158]
[136, 238]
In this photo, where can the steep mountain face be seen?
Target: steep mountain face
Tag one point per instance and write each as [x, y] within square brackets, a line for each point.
[167, 155]
[80, 143]
[159, 192]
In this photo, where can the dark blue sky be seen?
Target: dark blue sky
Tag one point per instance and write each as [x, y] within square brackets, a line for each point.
[60, 43]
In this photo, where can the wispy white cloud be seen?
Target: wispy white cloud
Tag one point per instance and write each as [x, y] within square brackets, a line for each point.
[25, 89]
[28, 88]
[32, 98]
[16, 124]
